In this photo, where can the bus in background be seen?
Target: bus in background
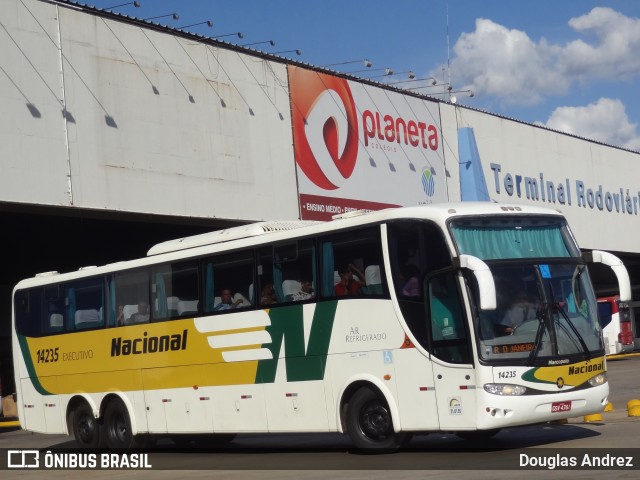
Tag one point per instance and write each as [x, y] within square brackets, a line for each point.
[617, 325]
[463, 318]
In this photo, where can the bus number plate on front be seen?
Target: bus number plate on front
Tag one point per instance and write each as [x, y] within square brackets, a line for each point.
[560, 407]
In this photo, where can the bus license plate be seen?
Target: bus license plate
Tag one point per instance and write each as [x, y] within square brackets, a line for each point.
[560, 407]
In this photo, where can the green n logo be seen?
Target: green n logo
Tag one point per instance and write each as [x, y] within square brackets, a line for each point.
[287, 328]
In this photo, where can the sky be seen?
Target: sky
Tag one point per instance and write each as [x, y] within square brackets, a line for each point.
[571, 66]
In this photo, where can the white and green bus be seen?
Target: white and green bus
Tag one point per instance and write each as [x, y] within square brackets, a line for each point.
[217, 334]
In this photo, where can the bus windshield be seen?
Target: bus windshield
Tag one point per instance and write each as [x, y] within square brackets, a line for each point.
[545, 310]
[546, 307]
[494, 238]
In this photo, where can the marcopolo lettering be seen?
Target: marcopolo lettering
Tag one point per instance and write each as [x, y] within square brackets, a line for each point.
[595, 367]
[146, 344]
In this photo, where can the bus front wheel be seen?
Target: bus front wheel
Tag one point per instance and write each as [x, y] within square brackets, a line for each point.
[369, 423]
[85, 427]
[117, 426]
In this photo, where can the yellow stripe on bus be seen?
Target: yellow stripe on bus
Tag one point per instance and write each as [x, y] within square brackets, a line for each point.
[150, 356]
[571, 375]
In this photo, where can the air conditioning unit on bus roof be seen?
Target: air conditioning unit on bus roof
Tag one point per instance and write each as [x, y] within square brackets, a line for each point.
[47, 274]
[350, 214]
[228, 234]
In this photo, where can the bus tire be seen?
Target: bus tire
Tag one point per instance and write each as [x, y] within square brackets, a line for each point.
[86, 429]
[369, 423]
[116, 426]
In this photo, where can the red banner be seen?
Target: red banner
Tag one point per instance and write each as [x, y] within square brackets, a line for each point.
[315, 207]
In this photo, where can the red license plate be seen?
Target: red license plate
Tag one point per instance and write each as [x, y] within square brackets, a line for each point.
[560, 407]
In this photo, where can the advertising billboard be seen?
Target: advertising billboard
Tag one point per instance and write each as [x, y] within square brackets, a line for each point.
[360, 147]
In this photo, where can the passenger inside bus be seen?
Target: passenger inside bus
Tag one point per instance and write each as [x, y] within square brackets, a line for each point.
[349, 285]
[411, 286]
[227, 302]
[305, 292]
[268, 296]
[522, 310]
[120, 315]
[141, 316]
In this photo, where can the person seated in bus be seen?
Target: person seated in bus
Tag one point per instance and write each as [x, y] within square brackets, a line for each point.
[268, 296]
[120, 315]
[349, 285]
[411, 286]
[142, 315]
[226, 301]
[305, 292]
[522, 310]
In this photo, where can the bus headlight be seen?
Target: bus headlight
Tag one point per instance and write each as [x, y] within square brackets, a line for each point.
[504, 389]
[598, 380]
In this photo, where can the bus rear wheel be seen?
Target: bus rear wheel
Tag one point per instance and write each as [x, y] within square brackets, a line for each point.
[369, 423]
[85, 426]
[116, 428]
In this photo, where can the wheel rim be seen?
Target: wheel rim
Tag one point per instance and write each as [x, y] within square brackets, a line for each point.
[375, 420]
[86, 428]
[119, 428]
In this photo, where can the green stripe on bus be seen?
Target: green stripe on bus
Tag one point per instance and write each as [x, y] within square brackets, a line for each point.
[303, 363]
[33, 376]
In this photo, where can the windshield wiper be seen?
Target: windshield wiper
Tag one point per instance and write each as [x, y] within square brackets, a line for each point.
[583, 344]
[540, 316]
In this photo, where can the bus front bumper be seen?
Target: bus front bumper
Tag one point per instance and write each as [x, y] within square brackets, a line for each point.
[496, 411]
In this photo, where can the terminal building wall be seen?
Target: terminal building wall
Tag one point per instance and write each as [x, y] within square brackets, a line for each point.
[104, 114]
[101, 114]
[593, 185]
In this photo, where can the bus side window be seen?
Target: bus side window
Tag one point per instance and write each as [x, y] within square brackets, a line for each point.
[131, 291]
[265, 292]
[294, 271]
[358, 251]
[229, 271]
[605, 313]
[30, 320]
[448, 333]
[416, 248]
[84, 301]
[175, 290]
[53, 309]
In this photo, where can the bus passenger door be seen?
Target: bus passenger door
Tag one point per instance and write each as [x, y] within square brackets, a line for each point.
[450, 347]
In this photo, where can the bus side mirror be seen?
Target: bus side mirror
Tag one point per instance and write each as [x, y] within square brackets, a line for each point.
[606, 258]
[486, 285]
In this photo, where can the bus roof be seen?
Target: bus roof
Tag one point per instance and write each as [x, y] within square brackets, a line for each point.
[436, 212]
[226, 235]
